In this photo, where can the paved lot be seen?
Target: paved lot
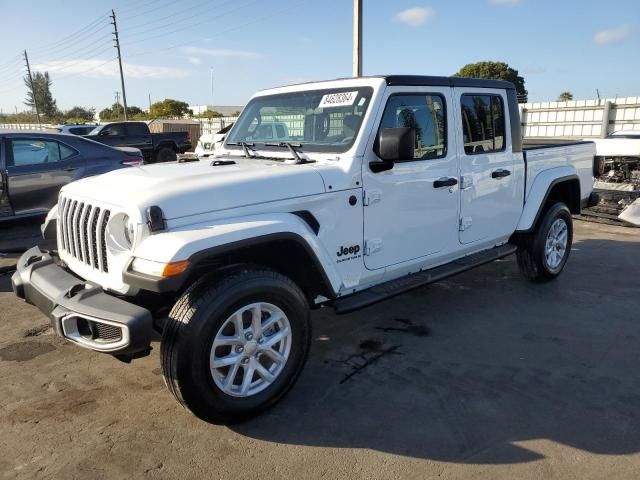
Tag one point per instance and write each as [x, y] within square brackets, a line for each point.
[483, 376]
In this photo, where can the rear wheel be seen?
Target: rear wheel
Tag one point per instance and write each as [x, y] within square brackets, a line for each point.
[543, 254]
[233, 347]
[166, 154]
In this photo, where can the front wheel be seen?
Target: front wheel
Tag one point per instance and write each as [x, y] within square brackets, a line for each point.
[234, 346]
[543, 254]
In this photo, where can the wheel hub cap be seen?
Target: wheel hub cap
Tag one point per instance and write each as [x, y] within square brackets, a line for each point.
[250, 350]
[556, 244]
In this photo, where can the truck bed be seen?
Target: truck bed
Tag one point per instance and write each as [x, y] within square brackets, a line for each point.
[580, 154]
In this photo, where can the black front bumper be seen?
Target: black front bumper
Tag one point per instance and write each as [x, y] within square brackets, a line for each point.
[80, 311]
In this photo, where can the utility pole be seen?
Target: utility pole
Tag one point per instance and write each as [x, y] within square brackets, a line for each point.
[357, 38]
[117, 97]
[117, 45]
[33, 89]
[149, 103]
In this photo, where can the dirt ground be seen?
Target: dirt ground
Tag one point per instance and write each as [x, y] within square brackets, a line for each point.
[483, 376]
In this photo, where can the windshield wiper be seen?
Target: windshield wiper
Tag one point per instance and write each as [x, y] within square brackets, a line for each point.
[245, 148]
[292, 148]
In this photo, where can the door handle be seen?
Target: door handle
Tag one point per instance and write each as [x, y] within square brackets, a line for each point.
[70, 169]
[500, 173]
[445, 182]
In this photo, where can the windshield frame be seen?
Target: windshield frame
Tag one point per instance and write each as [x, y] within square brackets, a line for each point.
[365, 90]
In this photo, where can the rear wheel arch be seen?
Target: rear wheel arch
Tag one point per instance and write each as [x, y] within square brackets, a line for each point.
[564, 190]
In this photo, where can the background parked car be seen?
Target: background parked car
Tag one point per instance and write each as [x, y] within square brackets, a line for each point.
[76, 129]
[209, 142]
[156, 147]
[35, 165]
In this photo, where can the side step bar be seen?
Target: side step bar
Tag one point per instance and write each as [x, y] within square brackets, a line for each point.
[401, 285]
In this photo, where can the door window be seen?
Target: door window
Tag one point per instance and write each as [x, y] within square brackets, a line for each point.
[426, 114]
[113, 130]
[483, 123]
[34, 152]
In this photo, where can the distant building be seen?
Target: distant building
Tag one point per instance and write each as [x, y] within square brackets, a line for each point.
[225, 110]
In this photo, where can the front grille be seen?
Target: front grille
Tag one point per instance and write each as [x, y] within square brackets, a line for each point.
[83, 232]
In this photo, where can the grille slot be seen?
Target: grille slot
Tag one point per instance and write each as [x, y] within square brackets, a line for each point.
[83, 232]
[106, 333]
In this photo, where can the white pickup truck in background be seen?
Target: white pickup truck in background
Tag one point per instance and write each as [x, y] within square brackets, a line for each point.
[376, 186]
[618, 160]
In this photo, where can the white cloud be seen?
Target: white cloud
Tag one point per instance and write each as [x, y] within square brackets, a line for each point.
[195, 60]
[102, 68]
[507, 3]
[414, 17]
[220, 52]
[613, 36]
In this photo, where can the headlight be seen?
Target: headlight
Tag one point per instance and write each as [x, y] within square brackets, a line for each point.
[129, 230]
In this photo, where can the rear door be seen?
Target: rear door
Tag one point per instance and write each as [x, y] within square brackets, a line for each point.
[490, 173]
[138, 136]
[37, 168]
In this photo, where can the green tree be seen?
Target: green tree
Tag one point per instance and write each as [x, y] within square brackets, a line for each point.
[116, 112]
[496, 71]
[41, 86]
[169, 108]
[79, 114]
[565, 97]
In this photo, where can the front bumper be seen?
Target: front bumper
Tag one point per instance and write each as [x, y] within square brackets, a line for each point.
[80, 311]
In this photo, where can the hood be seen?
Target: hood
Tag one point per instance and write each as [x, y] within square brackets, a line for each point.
[183, 189]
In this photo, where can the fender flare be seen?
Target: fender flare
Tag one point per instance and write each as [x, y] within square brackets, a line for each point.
[539, 193]
[261, 229]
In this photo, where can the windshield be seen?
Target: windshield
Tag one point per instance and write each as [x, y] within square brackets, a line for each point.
[318, 120]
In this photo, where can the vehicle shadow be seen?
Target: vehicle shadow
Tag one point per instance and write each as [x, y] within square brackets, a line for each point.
[479, 368]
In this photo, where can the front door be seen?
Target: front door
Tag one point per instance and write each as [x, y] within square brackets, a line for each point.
[411, 211]
[490, 173]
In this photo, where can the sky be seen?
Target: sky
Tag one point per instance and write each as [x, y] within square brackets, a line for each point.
[171, 49]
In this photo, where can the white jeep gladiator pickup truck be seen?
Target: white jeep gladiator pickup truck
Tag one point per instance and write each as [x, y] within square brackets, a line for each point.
[382, 184]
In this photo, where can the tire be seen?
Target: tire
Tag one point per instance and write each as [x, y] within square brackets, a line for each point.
[533, 248]
[206, 312]
[166, 154]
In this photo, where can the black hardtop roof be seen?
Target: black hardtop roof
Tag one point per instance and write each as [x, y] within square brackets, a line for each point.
[428, 81]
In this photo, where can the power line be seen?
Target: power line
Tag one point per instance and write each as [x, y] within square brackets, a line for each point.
[71, 36]
[174, 17]
[190, 26]
[79, 54]
[219, 33]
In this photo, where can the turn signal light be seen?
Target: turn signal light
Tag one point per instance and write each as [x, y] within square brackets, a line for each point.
[176, 268]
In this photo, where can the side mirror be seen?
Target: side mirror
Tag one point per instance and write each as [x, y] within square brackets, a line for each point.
[394, 145]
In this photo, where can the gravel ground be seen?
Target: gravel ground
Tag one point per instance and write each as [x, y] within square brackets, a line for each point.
[483, 376]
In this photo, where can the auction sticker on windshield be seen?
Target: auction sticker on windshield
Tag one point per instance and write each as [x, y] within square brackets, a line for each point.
[342, 99]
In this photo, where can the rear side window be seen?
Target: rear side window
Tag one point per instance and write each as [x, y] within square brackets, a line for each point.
[483, 124]
[80, 130]
[426, 114]
[38, 152]
[137, 129]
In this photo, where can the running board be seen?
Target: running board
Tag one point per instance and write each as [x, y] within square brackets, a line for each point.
[395, 287]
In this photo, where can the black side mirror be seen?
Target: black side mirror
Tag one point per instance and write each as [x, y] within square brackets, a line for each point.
[393, 145]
